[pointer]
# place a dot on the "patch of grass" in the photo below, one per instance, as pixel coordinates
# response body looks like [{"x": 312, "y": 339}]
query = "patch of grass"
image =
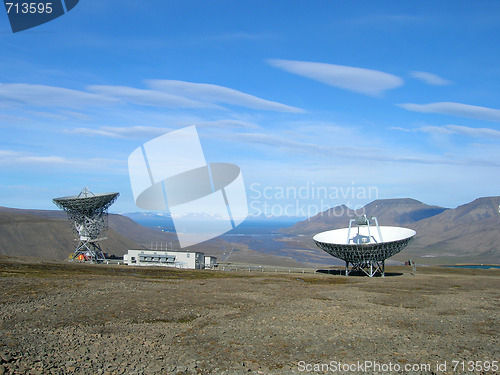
[
  {"x": 73, "y": 270},
  {"x": 488, "y": 327},
  {"x": 458, "y": 271},
  {"x": 69, "y": 270},
  {"x": 180, "y": 319},
  {"x": 450, "y": 313},
  {"x": 328, "y": 280},
  {"x": 407, "y": 301}
]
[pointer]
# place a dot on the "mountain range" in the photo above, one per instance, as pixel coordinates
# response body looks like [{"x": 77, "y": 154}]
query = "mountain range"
[
  {"x": 395, "y": 212},
  {"x": 469, "y": 233},
  {"x": 48, "y": 234}
]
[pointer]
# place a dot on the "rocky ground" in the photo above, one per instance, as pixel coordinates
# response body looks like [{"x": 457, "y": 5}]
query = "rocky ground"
[{"x": 61, "y": 318}]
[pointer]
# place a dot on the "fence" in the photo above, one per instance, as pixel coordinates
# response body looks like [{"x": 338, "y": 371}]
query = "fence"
[{"x": 272, "y": 269}]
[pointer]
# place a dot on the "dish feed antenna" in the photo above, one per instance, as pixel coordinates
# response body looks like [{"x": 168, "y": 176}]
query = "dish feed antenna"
[
  {"x": 366, "y": 245},
  {"x": 89, "y": 214}
]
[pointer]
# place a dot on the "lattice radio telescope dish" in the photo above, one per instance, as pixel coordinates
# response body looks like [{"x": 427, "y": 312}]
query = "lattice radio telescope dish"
[
  {"x": 364, "y": 246},
  {"x": 89, "y": 214}
]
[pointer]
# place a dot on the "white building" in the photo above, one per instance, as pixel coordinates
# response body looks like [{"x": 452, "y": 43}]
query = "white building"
[
  {"x": 177, "y": 259},
  {"x": 210, "y": 261}
]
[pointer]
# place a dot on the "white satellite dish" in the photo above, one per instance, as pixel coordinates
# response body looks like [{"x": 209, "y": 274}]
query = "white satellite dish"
[{"x": 366, "y": 248}]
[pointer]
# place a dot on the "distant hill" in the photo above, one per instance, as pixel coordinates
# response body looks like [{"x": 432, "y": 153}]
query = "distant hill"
[
  {"x": 467, "y": 234},
  {"x": 333, "y": 218},
  {"x": 142, "y": 235},
  {"x": 48, "y": 234},
  {"x": 151, "y": 219},
  {"x": 470, "y": 231},
  {"x": 400, "y": 212},
  {"x": 396, "y": 212}
]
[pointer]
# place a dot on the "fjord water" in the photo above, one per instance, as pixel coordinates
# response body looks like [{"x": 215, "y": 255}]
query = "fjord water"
[{"x": 261, "y": 234}]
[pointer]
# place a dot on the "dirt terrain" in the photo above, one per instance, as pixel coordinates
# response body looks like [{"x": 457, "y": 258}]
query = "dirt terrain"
[{"x": 62, "y": 318}]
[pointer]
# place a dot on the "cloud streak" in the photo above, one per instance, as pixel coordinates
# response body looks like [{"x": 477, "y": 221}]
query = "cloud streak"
[
  {"x": 17, "y": 157},
  {"x": 430, "y": 78},
  {"x": 387, "y": 19},
  {"x": 455, "y": 129},
  {"x": 121, "y": 132},
  {"x": 50, "y": 96},
  {"x": 148, "y": 97},
  {"x": 161, "y": 93},
  {"x": 11, "y": 158},
  {"x": 296, "y": 147},
  {"x": 455, "y": 109},
  {"x": 361, "y": 153},
  {"x": 153, "y": 131},
  {"x": 359, "y": 80},
  {"x": 474, "y": 132},
  {"x": 210, "y": 93}
]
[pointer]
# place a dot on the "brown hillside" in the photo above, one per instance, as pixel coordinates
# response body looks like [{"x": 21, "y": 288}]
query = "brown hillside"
[
  {"x": 47, "y": 234},
  {"x": 471, "y": 230},
  {"x": 467, "y": 234},
  {"x": 396, "y": 212}
]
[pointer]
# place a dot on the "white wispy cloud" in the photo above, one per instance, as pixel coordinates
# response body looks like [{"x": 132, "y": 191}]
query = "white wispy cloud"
[
  {"x": 43, "y": 96},
  {"x": 149, "y": 97},
  {"x": 430, "y": 78},
  {"x": 294, "y": 147},
  {"x": 161, "y": 93},
  {"x": 8, "y": 118},
  {"x": 454, "y": 129},
  {"x": 359, "y": 80},
  {"x": 227, "y": 124},
  {"x": 423, "y": 129},
  {"x": 210, "y": 93},
  {"x": 341, "y": 153},
  {"x": 17, "y": 157},
  {"x": 48, "y": 115},
  {"x": 455, "y": 109},
  {"x": 314, "y": 150},
  {"x": 12, "y": 158},
  {"x": 153, "y": 131},
  {"x": 474, "y": 132},
  {"x": 235, "y": 37},
  {"x": 121, "y": 132},
  {"x": 387, "y": 19}
]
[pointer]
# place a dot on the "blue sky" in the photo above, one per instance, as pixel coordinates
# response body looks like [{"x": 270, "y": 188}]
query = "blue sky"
[{"x": 359, "y": 99}]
